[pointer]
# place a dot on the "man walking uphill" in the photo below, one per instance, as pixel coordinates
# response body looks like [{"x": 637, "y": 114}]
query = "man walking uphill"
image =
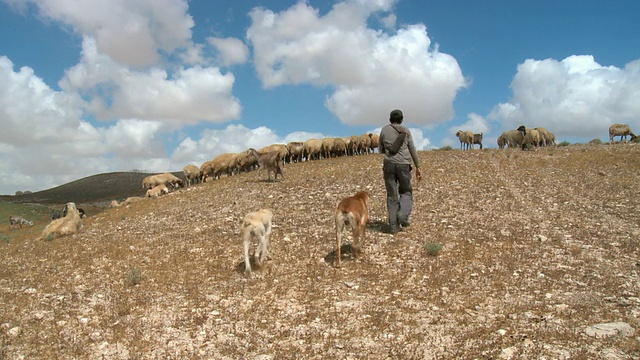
[{"x": 399, "y": 152}]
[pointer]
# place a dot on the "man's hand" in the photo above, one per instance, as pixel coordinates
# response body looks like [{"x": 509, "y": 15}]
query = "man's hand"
[{"x": 418, "y": 174}]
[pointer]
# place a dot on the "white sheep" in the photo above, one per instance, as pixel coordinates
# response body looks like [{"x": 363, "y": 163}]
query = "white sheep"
[
  {"x": 312, "y": 149},
  {"x": 157, "y": 191},
  {"x": 621, "y": 130},
  {"x": 339, "y": 147},
  {"x": 192, "y": 174},
  {"x": 221, "y": 163},
  {"x": 327, "y": 147},
  {"x": 161, "y": 179},
  {"x": 364, "y": 145},
  {"x": 466, "y": 139},
  {"x": 63, "y": 226}
]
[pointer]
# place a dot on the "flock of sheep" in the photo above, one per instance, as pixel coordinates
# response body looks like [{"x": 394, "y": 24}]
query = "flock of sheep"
[{"x": 271, "y": 158}]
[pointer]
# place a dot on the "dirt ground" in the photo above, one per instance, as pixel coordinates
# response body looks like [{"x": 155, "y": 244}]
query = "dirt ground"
[{"x": 537, "y": 248}]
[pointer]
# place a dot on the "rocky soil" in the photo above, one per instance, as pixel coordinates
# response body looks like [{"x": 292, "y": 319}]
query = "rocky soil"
[{"x": 539, "y": 260}]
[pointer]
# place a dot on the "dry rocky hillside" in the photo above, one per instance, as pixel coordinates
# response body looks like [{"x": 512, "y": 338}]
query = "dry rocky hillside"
[{"x": 539, "y": 260}]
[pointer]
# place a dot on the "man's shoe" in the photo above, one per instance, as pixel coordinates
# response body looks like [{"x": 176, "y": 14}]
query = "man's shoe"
[
  {"x": 395, "y": 229},
  {"x": 405, "y": 224}
]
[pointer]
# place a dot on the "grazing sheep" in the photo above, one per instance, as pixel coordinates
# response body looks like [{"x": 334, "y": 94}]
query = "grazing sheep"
[
  {"x": 129, "y": 200},
  {"x": 282, "y": 149},
  {"x": 327, "y": 147},
  {"x": 192, "y": 174},
  {"x": 221, "y": 163},
  {"x": 161, "y": 179},
  {"x": 351, "y": 212},
  {"x": 502, "y": 141},
  {"x": 466, "y": 139},
  {"x": 157, "y": 191},
  {"x": 477, "y": 139},
  {"x": 257, "y": 225},
  {"x": 17, "y": 220},
  {"x": 530, "y": 137},
  {"x": 513, "y": 138},
  {"x": 621, "y": 130},
  {"x": 66, "y": 225},
  {"x": 296, "y": 151},
  {"x": 245, "y": 161},
  {"x": 312, "y": 149},
  {"x": 271, "y": 161}
]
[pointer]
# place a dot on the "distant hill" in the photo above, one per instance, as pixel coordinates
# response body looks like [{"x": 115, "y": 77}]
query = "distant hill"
[{"x": 92, "y": 189}]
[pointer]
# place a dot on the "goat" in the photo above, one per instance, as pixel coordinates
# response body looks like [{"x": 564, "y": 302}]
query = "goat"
[
  {"x": 17, "y": 220},
  {"x": 270, "y": 161},
  {"x": 352, "y": 212},
  {"x": 257, "y": 225}
]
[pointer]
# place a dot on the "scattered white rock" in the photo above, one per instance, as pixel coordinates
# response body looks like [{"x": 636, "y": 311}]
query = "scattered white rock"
[{"x": 610, "y": 329}]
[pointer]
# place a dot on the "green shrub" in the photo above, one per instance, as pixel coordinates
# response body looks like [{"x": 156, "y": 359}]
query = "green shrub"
[
  {"x": 446, "y": 148},
  {"x": 564, "y": 143},
  {"x": 433, "y": 249},
  {"x": 595, "y": 142},
  {"x": 134, "y": 276}
]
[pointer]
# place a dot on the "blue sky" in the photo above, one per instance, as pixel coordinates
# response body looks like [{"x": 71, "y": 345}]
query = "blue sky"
[{"x": 101, "y": 86}]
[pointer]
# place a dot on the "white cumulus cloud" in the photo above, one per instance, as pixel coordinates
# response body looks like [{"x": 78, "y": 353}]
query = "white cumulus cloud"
[
  {"x": 573, "y": 97},
  {"x": 129, "y": 32},
  {"x": 372, "y": 71}
]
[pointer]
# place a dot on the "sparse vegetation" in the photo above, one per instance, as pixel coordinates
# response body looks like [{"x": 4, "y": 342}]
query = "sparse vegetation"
[
  {"x": 134, "y": 276},
  {"x": 537, "y": 248},
  {"x": 446, "y": 148},
  {"x": 564, "y": 143},
  {"x": 432, "y": 249}
]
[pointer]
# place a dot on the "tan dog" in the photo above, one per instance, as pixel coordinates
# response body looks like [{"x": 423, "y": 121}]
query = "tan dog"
[
  {"x": 352, "y": 212},
  {"x": 257, "y": 225}
]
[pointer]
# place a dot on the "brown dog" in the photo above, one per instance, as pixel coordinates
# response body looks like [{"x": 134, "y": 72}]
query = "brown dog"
[{"x": 352, "y": 212}]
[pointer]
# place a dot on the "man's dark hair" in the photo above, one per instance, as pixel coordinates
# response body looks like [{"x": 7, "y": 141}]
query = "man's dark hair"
[{"x": 396, "y": 117}]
